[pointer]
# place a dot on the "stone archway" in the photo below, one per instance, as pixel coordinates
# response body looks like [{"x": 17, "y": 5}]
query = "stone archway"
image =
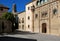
[{"x": 44, "y": 28}]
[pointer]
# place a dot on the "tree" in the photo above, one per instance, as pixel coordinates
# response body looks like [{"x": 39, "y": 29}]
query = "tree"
[{"x": 10, "y": 17}]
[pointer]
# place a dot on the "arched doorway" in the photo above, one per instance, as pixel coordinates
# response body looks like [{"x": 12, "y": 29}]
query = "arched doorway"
[{"x": 44, "y": 29}]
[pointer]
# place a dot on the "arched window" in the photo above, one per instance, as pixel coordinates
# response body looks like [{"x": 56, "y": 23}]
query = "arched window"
[
  {"x": 41, "y": 1},
  {"x": 36, "y": 15},
  {"x": 37, "y": 3},
  {"x": 28, "y": 17},
  {"x": 54, "y": 11},
  {"x": 33, "y": 8},
  {"x": 28, "y": 8},
  {"x": 28, "y": 26}
]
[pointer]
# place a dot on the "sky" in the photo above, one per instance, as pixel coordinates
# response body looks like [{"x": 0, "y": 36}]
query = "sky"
[{"x": 20, "y": 4}]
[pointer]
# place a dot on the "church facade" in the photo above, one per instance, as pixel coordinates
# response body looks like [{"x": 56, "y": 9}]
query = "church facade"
[{"x": 41, "y": 16}]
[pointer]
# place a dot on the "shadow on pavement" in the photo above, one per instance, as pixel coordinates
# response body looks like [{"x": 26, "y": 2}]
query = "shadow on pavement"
[
  {"x": 21, "y": 32},
  {"x": 15, "y": 39}
]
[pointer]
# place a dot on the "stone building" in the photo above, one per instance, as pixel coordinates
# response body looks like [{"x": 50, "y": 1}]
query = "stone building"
[
  {"x": 5, "y": 26},
  {"x": 42, "y": 16},
  {"x": 22, "y": 22}
]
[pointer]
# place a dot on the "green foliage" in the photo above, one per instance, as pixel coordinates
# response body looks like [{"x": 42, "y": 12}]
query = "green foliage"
[{"x": 8, "y": 16}]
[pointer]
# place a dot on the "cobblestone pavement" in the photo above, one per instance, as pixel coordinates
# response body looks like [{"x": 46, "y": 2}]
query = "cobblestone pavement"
[{"x": 37, "y": 36}]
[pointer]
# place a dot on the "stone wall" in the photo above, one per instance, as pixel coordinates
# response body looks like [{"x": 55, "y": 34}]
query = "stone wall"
[{"x": 5, "y": 26}]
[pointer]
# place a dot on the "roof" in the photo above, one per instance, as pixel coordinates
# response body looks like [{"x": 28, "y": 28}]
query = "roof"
[
  {"x": 2, "y": 6},
  {"x": 21, "y": 12}
]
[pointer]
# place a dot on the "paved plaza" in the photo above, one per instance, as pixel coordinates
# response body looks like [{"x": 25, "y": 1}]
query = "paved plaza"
[{"x": 34, "y": 36}]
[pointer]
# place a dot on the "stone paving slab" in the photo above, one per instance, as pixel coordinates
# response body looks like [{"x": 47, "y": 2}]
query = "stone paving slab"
[{"x": 38, "y": 37}]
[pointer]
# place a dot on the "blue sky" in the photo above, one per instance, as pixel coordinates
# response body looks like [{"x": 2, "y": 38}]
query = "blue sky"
[{"x": 19, "y": 3}]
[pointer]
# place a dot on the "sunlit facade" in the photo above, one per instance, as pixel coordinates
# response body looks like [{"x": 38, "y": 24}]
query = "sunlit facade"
[{"x": 42, "y": 16}]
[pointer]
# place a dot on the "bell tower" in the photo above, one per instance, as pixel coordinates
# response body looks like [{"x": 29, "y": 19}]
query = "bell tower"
[
  {"x": 14, "y": 8},
  {"x": 14, "y": 11}
]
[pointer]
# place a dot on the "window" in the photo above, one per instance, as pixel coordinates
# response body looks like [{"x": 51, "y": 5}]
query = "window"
[
  {"x": 28, "y": 26},
  {"x": 38, "y": 3},
  {"x": 22, "y": 20},
  {"x": 54, "y": 11},
  {"x": 1, "y": 9},
  {"x": 28, "y": 17},
  {"x": 41, "y": 1},
  {"x": 33, "y": 8},
  {"x": 19, "y": 21},
  {"x": 22, "y": 26},
  {"x": 46, "y": 0},
  {"x": 28, "y": 8},
  {"x": 44, "y": 14},
  {"x": 36, "y": 15}
]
